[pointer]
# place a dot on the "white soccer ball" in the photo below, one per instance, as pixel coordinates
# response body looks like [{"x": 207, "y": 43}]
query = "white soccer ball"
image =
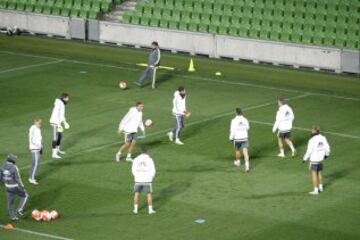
[
  {"x": 36, "y": 214},
  {"x": 46, "y": 217},
  {"x": 54, "y": 214},
  {"x": 148, "y": 122},
  {"x": 123, "y": 85}
]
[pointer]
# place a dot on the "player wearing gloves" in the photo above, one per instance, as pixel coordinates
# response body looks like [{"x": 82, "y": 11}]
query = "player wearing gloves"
[
  {"x": 36, "y": 148},
  {"x": 143, "y": 169},
  {"x": 129, "y": 125},
  {"x": 239, "y": 135},
  {"x": 179, "y": 112},
  {"x": 58, "y": 119},
  {"x": 318, "y": 149},
  {"x": 283, "y": 125},
  {"x": 10, "y": 177}
]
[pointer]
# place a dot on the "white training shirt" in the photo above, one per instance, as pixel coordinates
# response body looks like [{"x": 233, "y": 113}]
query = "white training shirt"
[
  {"x": 284, "y": 119},
  {"x": 132, "y": 121},
  {"x": 58, "y": 113},
  {"x": 179, "y": 104},
  {"x": 239, "y": 128},
  {"x": 35, "y": 138},
  {"x": 143, "y": 169},
  {"x": 318, "y": 147}
]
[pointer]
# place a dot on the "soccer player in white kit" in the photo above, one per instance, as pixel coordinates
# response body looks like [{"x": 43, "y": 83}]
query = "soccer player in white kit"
[
  {"x": 239, "y": 135},
  {"x": 143, "y": 170},
  {"x": 58, "y": 119},
  {"x": 179, "y": 112},
  {"x": 36, "y": 148},
  {"x": 129, "y": 125},
  {"x": 318, "y": 149},
  {"x": 283, "y": 125}
]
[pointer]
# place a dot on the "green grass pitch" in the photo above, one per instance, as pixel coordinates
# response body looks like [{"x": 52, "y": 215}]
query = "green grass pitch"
[{"x": 93, "y": 193}]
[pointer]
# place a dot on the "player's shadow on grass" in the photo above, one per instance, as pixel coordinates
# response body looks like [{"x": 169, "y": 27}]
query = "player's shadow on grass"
[
  {"x": 45, "y": 199},
  {"x": 331, "y": 178},
  {"x": 273, "y": 195},
  {"x": 166, "y": 194}
]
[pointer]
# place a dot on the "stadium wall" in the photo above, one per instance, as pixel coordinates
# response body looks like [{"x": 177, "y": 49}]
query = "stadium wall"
[{"x": 215, "y": 46}]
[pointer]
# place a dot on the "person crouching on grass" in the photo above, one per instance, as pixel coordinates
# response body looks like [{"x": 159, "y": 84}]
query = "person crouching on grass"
[
  {"x": 143, "y": 169},
  {"x": 318, "y": 149}
]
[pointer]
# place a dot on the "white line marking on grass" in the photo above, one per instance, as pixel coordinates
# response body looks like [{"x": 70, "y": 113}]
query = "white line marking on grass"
[
  {"x": 191, "y": 77},
  {"x": 106, "y": 145},
  {"x": 30, "y": 66},
  {"x": 309, "y": 130},
  {"x": 37, "y": 233}
]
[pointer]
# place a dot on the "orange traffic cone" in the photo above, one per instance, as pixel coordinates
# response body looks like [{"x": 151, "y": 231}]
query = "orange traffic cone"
[{"x": 9, "y": 226}]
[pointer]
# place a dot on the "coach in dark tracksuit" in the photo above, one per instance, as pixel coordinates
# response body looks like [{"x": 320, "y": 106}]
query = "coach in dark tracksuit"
[
  {"x": 10, "y": 177},
  {"x": 153, "y": 62}
]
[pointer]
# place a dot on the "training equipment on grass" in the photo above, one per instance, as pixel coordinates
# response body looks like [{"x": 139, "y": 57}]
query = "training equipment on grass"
[
  {"x": 218, "y": 74},
  {"x": 160, "y": 67},
  {"x": 191, "y": 66},
  {"x": 46, "y": 217},
  {"x": 200, "y": 221},
  {"x": 148, "y": 122},
  {"x": 54, "y": 214},
  {"x": 123, "y": 85},
  {"x": 36, "y": 214}
]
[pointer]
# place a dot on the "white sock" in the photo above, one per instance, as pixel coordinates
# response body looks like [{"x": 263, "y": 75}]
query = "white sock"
[
  {"x": 321, "y": 187},
  {"x": 119, "y": 153},
  {"x": 247, "y": 166},
  {"x": 316, "y": 189},
  {"x": 128, "y": 155},
  {"x": 292, "y": 147},
  {"x": 136, "y": 207},
  {"x": 54, "y": 151},
  {"x": 151, "y": 208},
  {"x": 282, "y": 151}
]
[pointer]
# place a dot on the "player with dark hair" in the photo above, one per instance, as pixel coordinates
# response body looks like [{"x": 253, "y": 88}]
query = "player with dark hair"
[
  {"x": 239, "y": 135},
  {"x": 318, "y": 149},
  {"x": 153, "y": 63},
  {"x": 58, "y": 119},
  {"x": 283, "y": 125},
  {"x": 129, "y": 125},
  {"x": 179, "y": 112}
]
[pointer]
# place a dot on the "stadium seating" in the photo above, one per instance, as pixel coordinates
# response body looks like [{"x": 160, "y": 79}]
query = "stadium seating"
[
  {"x": 90, "y": 9},
  {"x": 332, "y": 23}
]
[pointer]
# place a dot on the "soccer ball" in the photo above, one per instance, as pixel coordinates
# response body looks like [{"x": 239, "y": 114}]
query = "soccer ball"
[
  {"x": 123, "y": 85},
  {"x": 46, "y": 217},
  {"x": 36, "y": 214},
  {"x": 148, "y": 122},
  {"x": 54, "y": 214}
]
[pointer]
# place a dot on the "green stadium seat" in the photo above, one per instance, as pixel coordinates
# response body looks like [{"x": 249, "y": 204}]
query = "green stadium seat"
[
  {"x": 145, "y": 20},
  {"x": 3, "y": 4},
  {"x": 83, "y": 13},
  {"x": 29, "y": 7},
  {"x": 93, "y": 14},
  {"x": 20, "y": 6},
  {"x": 183, "y": 26},
  {"x": 154, "y": 22},
  {"x": 193, "y": 27},
  {"x": 47, "y": 10},
  {"x": 126, "y": 18},
  {"x": 233, "y": 30},
  {"x": 213, "y": 28},
  {"x": 203, "y": 27},
  {"x": 38, "y": 8},
  {"x": 173, "y": 24},
  {"x": 223, "y": 30},
  {"x": 65, "y": 12},
  {"x": 135, "y": 19},
  {"x": 163, "y": 23},
  {"x": 56, "y": 11}
]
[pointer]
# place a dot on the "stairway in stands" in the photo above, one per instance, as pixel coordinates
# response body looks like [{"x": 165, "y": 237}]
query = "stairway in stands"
[{"x": 116, "y": 14}]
